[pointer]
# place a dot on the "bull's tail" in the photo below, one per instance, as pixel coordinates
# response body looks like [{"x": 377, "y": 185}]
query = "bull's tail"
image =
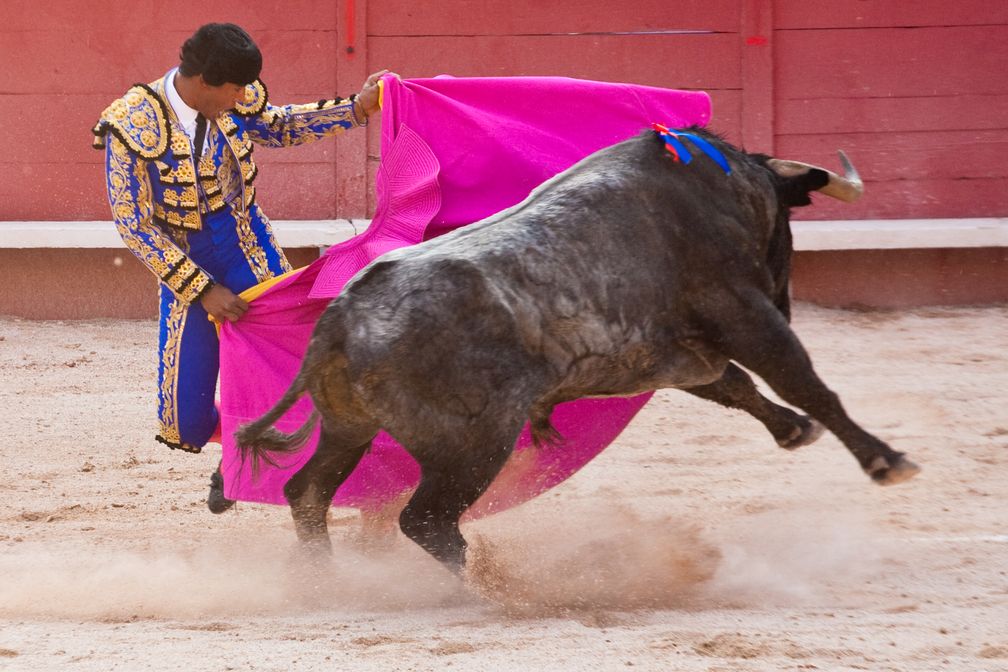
[
  {"x": 544, "y": 434},
  {"x": 260, "y": 438}
]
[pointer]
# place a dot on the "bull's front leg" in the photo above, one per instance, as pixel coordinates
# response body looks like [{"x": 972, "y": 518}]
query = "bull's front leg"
[
  {"x": 735, "y": 389},
  {"x": 756, "y": 335}
]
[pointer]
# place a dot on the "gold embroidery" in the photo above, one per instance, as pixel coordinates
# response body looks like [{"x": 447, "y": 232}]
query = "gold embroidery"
[
  {"x": 206, "y": 166},
  {"x": 180, "y": 143},
  {"x": 182, "y": 274},
  {"x": 195, "y": 288},
  {"x": 210, "y": 187},
  {"x": 215, "y": 203},
  {"x": 254, "y": 254},
  {"x": 268, "y": 227},
  {"x": 183, "y": 173},
  {"x": 250, "y": 172},
  {"x": 231, "y": 174},
  {"x": 173, "y": 256},
  {"x": 256, "y": 98},
  {"x": 181, "y": 198},
  {"x": 190, "y": 220},
  {"x": 226, "y": 124},
  {"x": 181, "y": 238},
  {"x": 129, "y": 213},
  {"x": 246, "y": 148},
  {"x": 298, "y": 124},
  {"x": 138, "y": 120},
  {"x": 174, "y": 326},
  {"x": 133, "y": 214}
]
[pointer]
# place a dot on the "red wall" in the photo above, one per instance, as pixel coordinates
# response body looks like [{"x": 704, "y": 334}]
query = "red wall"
[
  {"x": 914, "y": 91},
  {"x": 63, "y": 62}
]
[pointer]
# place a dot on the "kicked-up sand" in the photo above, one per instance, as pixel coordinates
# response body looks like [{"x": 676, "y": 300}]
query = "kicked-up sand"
[{"x": 692, "y": 543}]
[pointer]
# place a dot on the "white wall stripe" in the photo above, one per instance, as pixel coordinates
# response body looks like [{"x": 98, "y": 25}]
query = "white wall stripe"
[{"x": 865, "y": 234}]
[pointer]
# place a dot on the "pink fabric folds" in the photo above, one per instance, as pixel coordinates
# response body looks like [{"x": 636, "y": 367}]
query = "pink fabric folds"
[{"x": 454, "y": 150}]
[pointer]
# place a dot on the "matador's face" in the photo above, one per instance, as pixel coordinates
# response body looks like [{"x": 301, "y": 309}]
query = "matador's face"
[{"x": 217, "y": 99}]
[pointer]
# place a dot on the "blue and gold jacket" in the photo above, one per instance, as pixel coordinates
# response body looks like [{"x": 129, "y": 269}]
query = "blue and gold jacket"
[{"x": 157, "y": 192}]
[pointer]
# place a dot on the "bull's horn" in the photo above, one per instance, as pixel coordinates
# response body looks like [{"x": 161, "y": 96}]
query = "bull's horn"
[{"x": 847, "y": 188}]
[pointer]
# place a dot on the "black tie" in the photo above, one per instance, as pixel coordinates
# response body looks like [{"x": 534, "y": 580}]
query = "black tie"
[{"x": 201, "y": 123}]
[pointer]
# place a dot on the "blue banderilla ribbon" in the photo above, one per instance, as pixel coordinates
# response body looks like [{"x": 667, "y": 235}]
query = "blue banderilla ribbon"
[{"x": 674, "y": 144}]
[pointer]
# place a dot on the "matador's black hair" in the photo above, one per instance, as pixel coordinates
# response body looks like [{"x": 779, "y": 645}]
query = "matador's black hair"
[{"x": 221, "y": 52}]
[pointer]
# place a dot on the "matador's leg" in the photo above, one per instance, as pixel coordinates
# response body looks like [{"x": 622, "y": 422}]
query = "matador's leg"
[{"x": 188, "y": 360}]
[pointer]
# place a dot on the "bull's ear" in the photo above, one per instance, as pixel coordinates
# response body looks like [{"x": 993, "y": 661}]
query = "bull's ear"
[{"x": 793, "y": 190}]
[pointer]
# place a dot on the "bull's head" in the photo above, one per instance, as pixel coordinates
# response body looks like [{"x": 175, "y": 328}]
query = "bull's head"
[
  {"x": 847, "y": 188},
  {"x": 797, "y": 179}
]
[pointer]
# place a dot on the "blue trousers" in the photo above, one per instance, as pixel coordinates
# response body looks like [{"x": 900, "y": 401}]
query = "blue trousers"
[{"x": 239, "y": 251}]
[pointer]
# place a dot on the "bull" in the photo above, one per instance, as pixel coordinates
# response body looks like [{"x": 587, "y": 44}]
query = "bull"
[{"x": 631, "y": 271}]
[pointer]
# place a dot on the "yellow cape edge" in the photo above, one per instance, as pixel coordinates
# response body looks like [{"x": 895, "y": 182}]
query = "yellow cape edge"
[{"x": 255, "y": 291}]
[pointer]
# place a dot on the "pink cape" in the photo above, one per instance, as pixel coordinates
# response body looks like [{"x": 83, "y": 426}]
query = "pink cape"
[{"x": 454, "y": 151}]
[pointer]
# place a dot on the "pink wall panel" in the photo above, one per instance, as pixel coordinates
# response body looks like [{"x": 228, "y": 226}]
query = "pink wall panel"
[
  {"x": 726, "y": 113},
  {"x": 62, "y": 66},
  {"x": 57, "y": 191},
  {"x": 534, "y": 17},
  {"x": 655, "y": 60},
  {"x": 914, "y": 91},
  {"x": 908, "y": 156},
  {"x": 902, "y": 199},
  {"x": 885, "y": 62},
  {"x": 297, "y": 191},
  {"x": 803, "y": 14},
  {"x": 890, "y": 114},
  {"x": 158, "y": 15},
  {"x": 923, "y": 111}
]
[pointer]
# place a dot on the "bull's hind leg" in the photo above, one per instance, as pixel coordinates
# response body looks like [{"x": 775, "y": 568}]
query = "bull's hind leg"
[
  {"x": 735, "y": 389},
  {"x": 758, "y": 337},
  {"x": 454, "y": 474},
  {"x": 310, "y": 491}
]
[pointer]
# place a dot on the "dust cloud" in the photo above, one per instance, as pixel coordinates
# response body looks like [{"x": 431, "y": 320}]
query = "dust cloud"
[
  {"x": 608, "y": 558},
  {"x": 232, "y": 579},
  {"x": 791, "y": 558},
  {"x": 599, "y": 558}
]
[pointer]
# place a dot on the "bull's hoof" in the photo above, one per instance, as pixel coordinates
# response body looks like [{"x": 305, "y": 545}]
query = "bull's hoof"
[
  {"x": 884, "y": 474},
  {"x": 216, "y": 501},
  {"x": 803, "y": 435}
]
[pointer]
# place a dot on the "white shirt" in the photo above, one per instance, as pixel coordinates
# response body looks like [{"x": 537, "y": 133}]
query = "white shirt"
[{"x": 186, "y": 115}]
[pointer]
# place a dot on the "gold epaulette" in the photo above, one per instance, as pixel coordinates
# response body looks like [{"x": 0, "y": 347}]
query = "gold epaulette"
[
  {"x": 139, "y": 120},
  {"x": 256, "y": 97}
]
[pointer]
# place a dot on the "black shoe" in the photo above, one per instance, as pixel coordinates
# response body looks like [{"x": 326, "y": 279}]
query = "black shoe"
[{"x": 216, "y": 501}]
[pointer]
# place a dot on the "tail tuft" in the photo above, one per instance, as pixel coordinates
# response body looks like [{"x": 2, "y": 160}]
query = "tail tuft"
[
  {"x": 543, "y": 431},
  {"x": 260, "y": 440}
]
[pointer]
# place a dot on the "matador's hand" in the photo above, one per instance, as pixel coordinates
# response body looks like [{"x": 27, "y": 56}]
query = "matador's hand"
[
  {"x": 367, "y": 99},
  {"x": 223, "y": 304}
]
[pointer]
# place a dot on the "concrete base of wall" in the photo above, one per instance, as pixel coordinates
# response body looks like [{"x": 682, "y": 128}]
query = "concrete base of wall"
[
  {"x": 901, "y": 278},
  {"x": 67, "y": 284},
  {"x": 50, "y": 283}
]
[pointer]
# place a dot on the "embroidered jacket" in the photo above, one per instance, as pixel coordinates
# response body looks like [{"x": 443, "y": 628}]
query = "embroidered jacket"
[{"x": 156, "y": 191}]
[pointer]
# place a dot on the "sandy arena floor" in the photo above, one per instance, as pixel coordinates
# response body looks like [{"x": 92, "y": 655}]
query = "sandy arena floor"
[{"x": 693, "y": 543}]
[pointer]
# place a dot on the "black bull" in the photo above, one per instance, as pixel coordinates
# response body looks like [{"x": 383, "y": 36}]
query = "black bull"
[{"x": 630, "y": 271}]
